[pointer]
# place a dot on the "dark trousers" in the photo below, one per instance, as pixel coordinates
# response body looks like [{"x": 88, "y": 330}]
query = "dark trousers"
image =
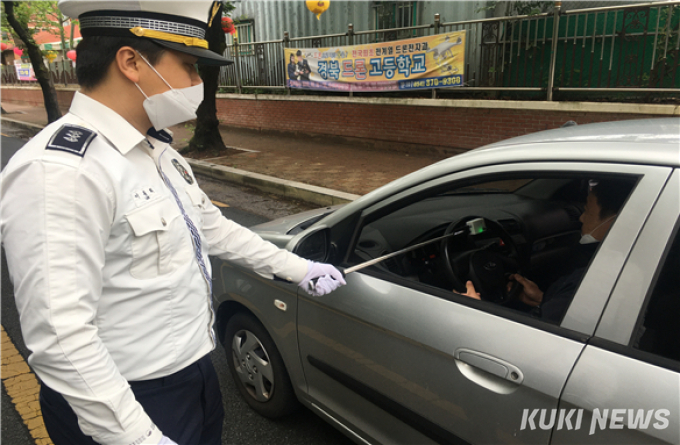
[{"x": 186, "y": 406}]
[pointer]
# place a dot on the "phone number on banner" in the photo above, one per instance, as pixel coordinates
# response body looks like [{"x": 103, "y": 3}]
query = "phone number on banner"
[{"x": 432, "y": 82}]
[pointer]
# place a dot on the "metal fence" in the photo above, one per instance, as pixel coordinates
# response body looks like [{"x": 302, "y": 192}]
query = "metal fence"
[
  {"x": 62, "y": 74},
  {"x": 633, "y": 48}
]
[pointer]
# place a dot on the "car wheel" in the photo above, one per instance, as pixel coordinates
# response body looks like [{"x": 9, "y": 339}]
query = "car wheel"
[{"x": 257, "y": 367}]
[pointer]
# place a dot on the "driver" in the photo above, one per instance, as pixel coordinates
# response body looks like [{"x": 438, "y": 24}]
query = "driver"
[{"x": 603, "y": 203}]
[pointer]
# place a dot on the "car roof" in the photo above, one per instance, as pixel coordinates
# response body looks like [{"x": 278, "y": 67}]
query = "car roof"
[
  {"x": 644, "y": 142},
  {"x": 655, "y": 131}
]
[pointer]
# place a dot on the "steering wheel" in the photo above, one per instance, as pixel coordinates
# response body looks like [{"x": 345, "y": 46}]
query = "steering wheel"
[{"x": 486, "y": 258}]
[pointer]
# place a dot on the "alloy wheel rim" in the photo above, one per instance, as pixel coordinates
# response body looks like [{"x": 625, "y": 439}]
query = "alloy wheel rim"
[{"x": 253, "y": 365}]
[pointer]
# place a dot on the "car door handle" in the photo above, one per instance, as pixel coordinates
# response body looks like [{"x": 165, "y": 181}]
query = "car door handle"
[{"x": 488, "y": 371}]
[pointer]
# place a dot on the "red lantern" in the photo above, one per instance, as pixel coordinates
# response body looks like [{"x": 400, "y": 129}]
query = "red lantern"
[
  {"x": 18, "y": 52},
  {"x": 228, "y": 25},
  {"x": 71, "y": 54},
  {"x": 3, "y": 46}
]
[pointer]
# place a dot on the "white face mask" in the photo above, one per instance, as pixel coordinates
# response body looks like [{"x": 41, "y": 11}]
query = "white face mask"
[
  {"x": 588, "y": 238},
  {"x": 173, "y": 106}
]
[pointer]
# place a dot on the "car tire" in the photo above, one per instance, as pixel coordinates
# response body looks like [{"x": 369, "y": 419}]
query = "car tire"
[{"x": 257, "y": 367}]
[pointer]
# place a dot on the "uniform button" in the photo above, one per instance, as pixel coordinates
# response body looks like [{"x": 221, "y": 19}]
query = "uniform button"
[
  {"x": 203, "y": 200},
  {"x": 164, "y": 222}
]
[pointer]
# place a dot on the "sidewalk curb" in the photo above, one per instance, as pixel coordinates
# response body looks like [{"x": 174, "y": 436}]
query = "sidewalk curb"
[
  {"x": 281, "y": 187},
  {"x": 268, "y": 184},
  {"x": 33, "y": 129}
]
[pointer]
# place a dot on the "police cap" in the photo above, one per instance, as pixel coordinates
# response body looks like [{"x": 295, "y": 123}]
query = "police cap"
[{"x": 180, "y": 26}]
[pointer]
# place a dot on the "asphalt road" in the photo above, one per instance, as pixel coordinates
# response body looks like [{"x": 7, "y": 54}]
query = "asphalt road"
[
  {"x": 10, "y": 145},
  {"x": 242, "y": 425}
]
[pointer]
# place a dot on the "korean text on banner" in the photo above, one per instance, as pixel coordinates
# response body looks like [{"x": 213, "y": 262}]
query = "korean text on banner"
[
  {"x": 425, "y": 62},
  {"x": 25, "y": 71}
]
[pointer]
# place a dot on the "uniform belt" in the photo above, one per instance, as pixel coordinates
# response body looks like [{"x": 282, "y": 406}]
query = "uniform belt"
[{"x": 177, "y": 377}]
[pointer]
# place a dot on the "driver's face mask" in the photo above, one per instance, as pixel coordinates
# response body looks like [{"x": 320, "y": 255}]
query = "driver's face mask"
[
  {"x": 173, "y": 106},
  {"x": 588, "y": 238}
]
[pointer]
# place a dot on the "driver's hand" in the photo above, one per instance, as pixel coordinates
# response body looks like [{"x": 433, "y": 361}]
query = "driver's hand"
[
  {"x": 531, "y": 294},
  {"x": 471, "y": 291}
]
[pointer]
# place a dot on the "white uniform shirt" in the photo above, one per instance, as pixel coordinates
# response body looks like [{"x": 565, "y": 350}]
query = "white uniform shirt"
[{"x": 106, "y": 279}]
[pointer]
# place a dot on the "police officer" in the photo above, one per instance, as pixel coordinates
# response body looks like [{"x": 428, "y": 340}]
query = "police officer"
[{"x": 107, "y": 236}]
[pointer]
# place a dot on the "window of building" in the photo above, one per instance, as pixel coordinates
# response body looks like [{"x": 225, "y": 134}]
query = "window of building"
[
  {"x": 245, "y": 33},
  {"x": 391, "y": 15}
]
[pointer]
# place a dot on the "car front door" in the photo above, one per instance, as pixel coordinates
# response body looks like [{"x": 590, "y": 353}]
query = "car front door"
[{"x": 399, "y": 364}]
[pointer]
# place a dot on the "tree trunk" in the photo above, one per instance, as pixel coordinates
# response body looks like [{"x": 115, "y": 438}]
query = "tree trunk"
[
  {"x": 207, "y": 134},
  {"x": 70, "y": 41},
  {"x": 60, "y": 17},
  {"x": 41, "y": 72}
]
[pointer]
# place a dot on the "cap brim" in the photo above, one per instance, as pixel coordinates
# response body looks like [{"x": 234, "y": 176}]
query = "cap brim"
[{"x": 205, "y": 56}]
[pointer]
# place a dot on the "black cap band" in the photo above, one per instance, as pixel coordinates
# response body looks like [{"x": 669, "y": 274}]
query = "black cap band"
[{"x": 119, "y": 23}]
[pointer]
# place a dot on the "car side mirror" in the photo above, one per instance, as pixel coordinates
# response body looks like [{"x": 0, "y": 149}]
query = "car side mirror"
[{"x": 314, "y": 246}]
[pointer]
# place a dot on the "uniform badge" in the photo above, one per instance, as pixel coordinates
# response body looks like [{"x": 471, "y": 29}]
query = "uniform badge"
[
  {"x": 72, "y": 139},
  {"x": 183, "y": 171},
  {"x": 144, "y": 195}
]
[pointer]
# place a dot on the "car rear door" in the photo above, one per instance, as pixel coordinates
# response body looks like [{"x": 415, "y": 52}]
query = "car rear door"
[
  {"x": 626, "y": 382},
  {"x": 407, "y": 366}
]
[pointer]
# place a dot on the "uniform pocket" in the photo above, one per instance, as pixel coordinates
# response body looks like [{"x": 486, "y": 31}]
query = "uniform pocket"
[
  {"x": 199, "y": 203},
  {"x": 196, "y": 195},
  {"x": 157, "y": 240}
]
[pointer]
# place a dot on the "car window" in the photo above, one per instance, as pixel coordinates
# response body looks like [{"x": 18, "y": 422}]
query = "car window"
[
  {"x": 658, "y": 327},
  {"x": 507, "y": 186},
  {"x": 517, "y": 238}
]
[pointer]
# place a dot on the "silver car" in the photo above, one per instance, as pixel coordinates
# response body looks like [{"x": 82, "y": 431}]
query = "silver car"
[{"x": 397, "y": 356}]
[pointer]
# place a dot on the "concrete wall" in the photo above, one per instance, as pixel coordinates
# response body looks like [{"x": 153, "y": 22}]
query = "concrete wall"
[
  {"x": 442, "y": 125},
  {"x": 447, "y": 126},
  {"x": 33, "y": 95}
]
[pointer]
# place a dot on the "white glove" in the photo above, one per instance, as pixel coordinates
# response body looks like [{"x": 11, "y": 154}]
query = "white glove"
[
  {"x": 321, "y": 279},
  {"x": 166, "y": 441}
]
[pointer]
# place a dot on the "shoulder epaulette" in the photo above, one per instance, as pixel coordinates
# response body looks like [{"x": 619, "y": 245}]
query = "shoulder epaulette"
[
  {"x": 162, "y": 135},
  {"x": 72, "y": 139}
]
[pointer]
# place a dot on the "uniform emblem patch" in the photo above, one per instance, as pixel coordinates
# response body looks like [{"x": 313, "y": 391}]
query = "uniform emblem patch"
[
  {"x": 183, "y": 171},
  {"x": 72, "y": 139}
]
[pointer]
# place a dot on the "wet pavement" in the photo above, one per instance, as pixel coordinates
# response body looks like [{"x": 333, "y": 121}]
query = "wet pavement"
[{"x": 326, "y": 162}]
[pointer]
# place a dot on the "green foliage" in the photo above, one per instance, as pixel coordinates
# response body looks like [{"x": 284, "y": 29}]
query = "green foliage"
[
  {"x": 240, "y": 19},
  {"x": 39, "y": 14},
  {"x": 227, "y": 7},
  {"x": 665, "y": 57},
  {"x": 668, "y": 32},
  {"x": 34, "y": 16}
]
